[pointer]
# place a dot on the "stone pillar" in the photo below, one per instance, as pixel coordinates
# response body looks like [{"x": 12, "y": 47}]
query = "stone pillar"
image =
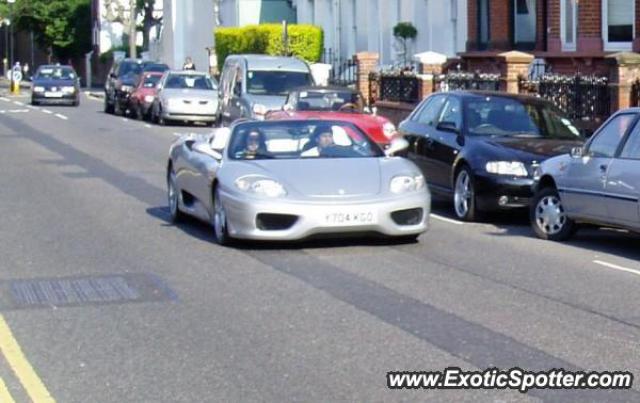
[
  {"x": 366, "y": 63},
  {"x": 513, "y": 65},
  {"x": 624, "y": 71},
  {"x": 431, "y": 65}
]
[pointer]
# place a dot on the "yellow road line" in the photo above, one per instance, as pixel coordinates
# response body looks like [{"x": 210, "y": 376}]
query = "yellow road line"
[
  {"x": 5, "y": 396},
  {"x": 21, "y": 367}
]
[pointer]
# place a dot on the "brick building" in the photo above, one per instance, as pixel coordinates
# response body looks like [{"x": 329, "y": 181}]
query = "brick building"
[{"x": 568, "y": 35}]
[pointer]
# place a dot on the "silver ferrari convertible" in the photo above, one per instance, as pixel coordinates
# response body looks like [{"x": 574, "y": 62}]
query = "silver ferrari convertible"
[{"x": 294, "y": 179}]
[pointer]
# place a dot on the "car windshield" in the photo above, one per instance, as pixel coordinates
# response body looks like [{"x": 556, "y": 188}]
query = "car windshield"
[
  {"x": 159, "y": 68},
  {"x": 56, "y": 73},
  {"x": 189, "y": 81},
  {"x": 150, "y": 81},
  {"x": 130, "y": 68},
  {"x": 275, "y": 82},
  {"x": 501, "y": 116},
  {"x": 327, "y": 101},
  {"x": 300, "y": 140}
]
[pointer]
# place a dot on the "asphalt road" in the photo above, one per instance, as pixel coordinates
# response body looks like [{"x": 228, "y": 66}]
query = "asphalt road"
[{"x": 83, "y": 205}]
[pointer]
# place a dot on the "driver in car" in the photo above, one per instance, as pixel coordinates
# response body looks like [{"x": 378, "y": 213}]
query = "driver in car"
[{"x": 320, "y": 142}]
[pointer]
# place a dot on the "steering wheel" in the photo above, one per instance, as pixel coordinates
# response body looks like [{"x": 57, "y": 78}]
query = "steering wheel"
[{"x": 348, "y": 105}]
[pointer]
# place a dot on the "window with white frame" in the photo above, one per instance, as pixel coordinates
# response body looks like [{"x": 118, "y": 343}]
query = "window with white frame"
[
  {"x": 618, "y": 24},
  {"x": 569, "y": 24}
]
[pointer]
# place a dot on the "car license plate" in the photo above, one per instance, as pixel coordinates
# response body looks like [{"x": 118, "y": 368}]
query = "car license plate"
[
  {"x": 346, "y": 218},
  {"x": 53, "y": 94}
]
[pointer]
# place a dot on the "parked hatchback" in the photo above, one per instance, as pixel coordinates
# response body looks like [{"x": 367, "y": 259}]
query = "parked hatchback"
[
  {"x": 55, "y": 84},
  {"x": 598, "y": 183},
  {"x": 121, "y": 81},
  {"x": 252, "y": 85},
  {"x": 481, "y": 148}
]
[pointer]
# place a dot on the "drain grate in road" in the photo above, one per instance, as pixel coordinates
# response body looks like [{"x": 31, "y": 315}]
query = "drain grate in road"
[{"x": 84, "y": 290}]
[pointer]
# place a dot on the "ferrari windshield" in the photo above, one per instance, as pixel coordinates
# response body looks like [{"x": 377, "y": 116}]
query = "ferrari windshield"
[
  {"x": 327, "y": 100},
  {"x": 300, "y": 140}
]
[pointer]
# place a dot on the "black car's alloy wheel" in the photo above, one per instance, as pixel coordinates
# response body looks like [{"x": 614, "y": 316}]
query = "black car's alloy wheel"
[
  {"x": 548, "y": 216},
  {"x": 464, "y": 202}
]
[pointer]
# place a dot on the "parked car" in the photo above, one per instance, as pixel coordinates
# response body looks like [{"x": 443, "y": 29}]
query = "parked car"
[
  {"x": 252, "y": 85},
  {"x": 144, "y": 94},
  {"x": 288, "y": 180},
  {"x": 55, "y": 84},
  {"x": 335, "y": 103},
  {"x": 481, "y": 148},
  {"x": 188, "y": 96},
  {"x": 596, "y": 184},
  {"x": 121, "y": 81},
  {"x": 152, "y": 67}
]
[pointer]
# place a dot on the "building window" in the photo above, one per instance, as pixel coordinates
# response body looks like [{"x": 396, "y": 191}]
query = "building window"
[
  {"x": 483, "y": 24},
  {"x": 568, "y": 23},
  {"x": 524, "y": 27},
  {"x": 618, "y": 28}
]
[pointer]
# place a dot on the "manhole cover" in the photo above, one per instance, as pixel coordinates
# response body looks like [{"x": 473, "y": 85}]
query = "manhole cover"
[{"x": 84, "y": 290}]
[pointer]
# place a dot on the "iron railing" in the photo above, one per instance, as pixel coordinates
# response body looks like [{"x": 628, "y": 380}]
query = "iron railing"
[
  {"x": 461, "y": 80},
  {"x": 343, "y": 72}
]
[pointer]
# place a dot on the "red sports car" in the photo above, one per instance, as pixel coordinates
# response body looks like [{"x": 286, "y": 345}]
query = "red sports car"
[
  {"x": 335, "y": 103},
  {"x": 142, "y": 97}
]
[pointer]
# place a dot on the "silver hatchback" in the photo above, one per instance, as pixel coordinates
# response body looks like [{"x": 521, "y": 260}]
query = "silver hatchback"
[{"x": 597, "y": 184}]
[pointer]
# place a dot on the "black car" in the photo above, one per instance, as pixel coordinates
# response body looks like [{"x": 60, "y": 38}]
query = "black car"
[
  {"x": 481, "y": 148},
  {"x": 121, "y": 80},
  {"x": 152, "y": 67},
  {"x": 55, "y": 84}
]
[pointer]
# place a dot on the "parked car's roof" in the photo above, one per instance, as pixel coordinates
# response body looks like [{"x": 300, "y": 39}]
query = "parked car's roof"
[
  {"x": 55, "y": 66},
  {"x": 187, "y": 72},
  {"x": 480, "y": 94},
  {"x": 333, "y": 88},
  {"x": 266, "y": 62}
]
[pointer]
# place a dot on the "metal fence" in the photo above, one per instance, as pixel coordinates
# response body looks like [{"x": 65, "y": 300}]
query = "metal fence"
[
  {"x": 343, "y": 72},
  {"x": 394, "y": 86},
  {"x": 581, "y": 97},
  {"x": 635, "y": 93},
  {"x": 461, "y": 80}
]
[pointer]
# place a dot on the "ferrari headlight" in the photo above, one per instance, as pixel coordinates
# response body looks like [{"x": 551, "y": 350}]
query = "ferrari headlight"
[
  {"x": 68, "y": 90},
  {"x": 389, "y": 130},
  {"x": 261, "y": 186},
  {"x": 38, "y": 89},
  {"x": 149, "y": 98},
  {"x": 405, "y": 183},
  {"x": 513, "y": 168},
  {"x": 260, "y": 110}
]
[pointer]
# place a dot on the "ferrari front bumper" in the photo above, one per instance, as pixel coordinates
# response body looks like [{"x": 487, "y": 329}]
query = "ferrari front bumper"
[{"x": 282, "y": 219}]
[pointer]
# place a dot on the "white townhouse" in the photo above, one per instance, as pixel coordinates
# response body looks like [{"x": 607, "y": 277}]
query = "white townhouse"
[{"x": 352, "y": 26}]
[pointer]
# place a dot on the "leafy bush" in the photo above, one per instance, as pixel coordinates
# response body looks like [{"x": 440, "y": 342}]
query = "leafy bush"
[{"x": 305, "y": 41}]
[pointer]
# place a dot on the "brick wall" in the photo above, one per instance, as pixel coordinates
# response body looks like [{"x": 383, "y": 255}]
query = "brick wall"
[
  {"x": 472, "y": 24},
  {"x": 499, "y": 24}
]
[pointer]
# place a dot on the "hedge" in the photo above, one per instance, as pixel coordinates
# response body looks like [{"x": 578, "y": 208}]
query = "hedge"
[{"x": 305, "y": 41}]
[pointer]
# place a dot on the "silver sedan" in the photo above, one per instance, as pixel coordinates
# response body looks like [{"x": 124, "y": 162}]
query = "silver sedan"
[
  {"x": 188, "y": 96},
  {"x": 289, "y": 180}
]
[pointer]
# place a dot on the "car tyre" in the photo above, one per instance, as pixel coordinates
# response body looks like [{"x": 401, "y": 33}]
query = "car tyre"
[
  {"x": 108, "y": 108},
  {"x": 173, "y": 196},
  {"x": 549, "y": 219},
  {"x": 220, "y": 228},
  {"x": 464, "y": 199}
]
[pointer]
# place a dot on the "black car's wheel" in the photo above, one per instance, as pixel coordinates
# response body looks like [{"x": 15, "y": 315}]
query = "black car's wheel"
[
  {"x": 173, "y": 195},
  {"x": 117, "y": 108},
  {"x": 464, "y": 200},
  {"x": 76, "y": 102},
  {"x": 220, "y": 228},
  {"x": 138, "y": 112},
  {"x": 548, "y": 217},
  {"x": 34, "y": 102},
  {"x": 108, "y": 108}
]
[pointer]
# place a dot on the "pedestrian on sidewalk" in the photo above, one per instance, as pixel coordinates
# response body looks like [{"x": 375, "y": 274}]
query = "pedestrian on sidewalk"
[{"x": 188, "y": 64}]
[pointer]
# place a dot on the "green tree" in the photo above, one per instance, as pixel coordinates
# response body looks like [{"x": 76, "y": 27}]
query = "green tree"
[
  {"x": 63, "y": 27},
  {"x": 405, "y": 31}
]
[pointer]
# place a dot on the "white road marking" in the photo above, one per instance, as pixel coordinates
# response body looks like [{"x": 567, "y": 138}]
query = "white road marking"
[
  {"x": 616, "y": 267},
  {"x": 445, "y": 219},
  {"x": 5, "y": 99},
  {"x": 3, "y": 111},
  {"x": 125, "y": 119},
  {"x": 148, "y": 126},
  {"x": 18, "y": 110},
  {"x": 47, "y": 111},
  {"x": 61, "y": 116},
  {"x": 18, "y": 103},
  {"x": 33, "y": 107}
]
